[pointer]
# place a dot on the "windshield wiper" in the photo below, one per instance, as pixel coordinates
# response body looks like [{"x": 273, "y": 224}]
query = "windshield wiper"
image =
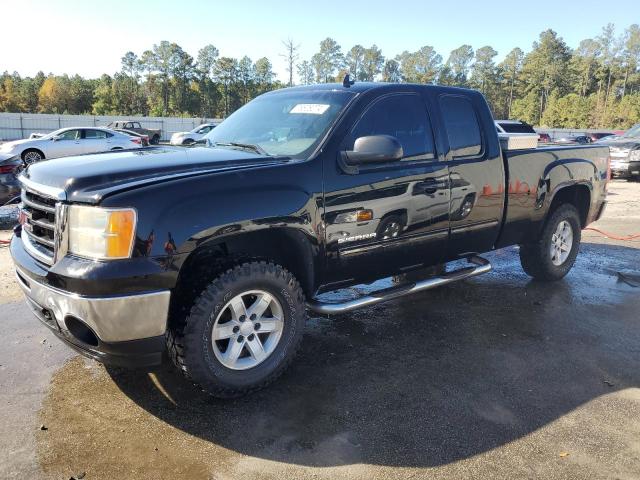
[{"x": 246, "y": 146}]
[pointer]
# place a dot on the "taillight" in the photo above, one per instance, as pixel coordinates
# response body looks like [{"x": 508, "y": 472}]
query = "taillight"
[
  {"x": 4, "y": 169},
  {"x": 136, "y": 140}
]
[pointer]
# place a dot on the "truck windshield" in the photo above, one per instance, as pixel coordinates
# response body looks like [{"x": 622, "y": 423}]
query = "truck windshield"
[{"x": 288, "y": 123}]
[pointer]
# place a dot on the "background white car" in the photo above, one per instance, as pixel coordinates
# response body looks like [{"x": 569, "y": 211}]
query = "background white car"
[
  {"x": 187, "y": 138},
  {"x": 70, "y": 141}
]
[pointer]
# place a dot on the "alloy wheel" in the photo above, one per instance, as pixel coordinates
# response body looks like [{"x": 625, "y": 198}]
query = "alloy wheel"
[
  {"x": 561, "y": 243},
  {"x": 247, "y": 330}
]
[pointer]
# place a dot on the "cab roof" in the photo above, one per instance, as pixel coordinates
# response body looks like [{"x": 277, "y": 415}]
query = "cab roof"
[{"x": 360, "y": 87}]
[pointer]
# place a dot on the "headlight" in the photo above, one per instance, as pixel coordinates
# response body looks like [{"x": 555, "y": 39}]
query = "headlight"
[
  {"x": 354, "y": 216},
  {"x": 634, "y": 156},
  {"x": 101, "y": 233}
]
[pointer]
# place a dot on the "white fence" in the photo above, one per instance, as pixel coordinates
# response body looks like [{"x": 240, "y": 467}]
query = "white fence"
[{"x": 14, "y": 126}]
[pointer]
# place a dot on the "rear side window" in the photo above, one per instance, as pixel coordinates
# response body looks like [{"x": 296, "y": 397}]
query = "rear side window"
[
  {"x": 95, "y": 134},
  {"x": 463, "y": 128},
  {"x": 401, "y": 116}
]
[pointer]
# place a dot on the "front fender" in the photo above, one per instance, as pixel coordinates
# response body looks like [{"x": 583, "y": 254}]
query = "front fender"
[{"x": 178, "y": 216}]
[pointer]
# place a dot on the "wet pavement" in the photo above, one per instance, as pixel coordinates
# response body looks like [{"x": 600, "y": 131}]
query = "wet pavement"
[{"x": 494, "y": 377}]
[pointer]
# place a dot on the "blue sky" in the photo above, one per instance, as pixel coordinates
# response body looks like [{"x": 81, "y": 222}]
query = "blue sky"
[{"x": 86, "y": 37}]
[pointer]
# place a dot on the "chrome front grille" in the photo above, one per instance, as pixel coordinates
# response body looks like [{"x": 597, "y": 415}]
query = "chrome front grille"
[{"x": 38, "y": 227}]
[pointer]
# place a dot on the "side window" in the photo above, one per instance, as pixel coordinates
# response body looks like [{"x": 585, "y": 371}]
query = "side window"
[
  {"x": 461, "y": 122},
  {"x": 401, "y": 116},
  {"x": 95, "y": 134},
  {"x": 129, "y": 125},
  {"x": 70, "y": 135},
  {"x": 136, "y": 125}
]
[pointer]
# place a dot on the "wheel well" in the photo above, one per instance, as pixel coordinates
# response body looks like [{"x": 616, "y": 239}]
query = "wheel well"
[
  {"x": 577, "y": 195},
  {"x": 32, "y": 150},
  {"x": 187, "y": 140},
  {"x": 286, "y": 247},
  {"x": 400, "y": 213}
]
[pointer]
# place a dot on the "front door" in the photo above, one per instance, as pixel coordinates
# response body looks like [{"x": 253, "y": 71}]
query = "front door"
[
  {"x": 65, "y": 144},
  {"x": 387, "y": 218}
]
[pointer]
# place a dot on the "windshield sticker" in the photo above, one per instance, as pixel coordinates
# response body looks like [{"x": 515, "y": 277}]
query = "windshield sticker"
[{"x": 310, "y": 108}]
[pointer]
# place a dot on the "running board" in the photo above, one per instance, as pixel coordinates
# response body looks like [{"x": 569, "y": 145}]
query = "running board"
[{"x": 481, "y": 266}]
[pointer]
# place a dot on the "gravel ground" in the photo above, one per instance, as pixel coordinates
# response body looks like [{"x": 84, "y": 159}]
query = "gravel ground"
[{"x": 495, "y": 377}]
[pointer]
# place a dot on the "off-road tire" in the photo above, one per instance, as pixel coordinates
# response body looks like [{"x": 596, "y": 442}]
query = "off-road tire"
[
  {"x": 535, "y": 258},
  {"x": 189, "y": 343}
]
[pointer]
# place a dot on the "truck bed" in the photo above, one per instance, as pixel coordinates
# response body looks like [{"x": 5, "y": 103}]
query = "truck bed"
[{"x": 534, "y": 176}]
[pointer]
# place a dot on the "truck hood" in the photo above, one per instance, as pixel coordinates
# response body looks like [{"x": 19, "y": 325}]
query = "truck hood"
[
  {"x": 90, "y": 178},
  {"x": 623, "y": 143}
]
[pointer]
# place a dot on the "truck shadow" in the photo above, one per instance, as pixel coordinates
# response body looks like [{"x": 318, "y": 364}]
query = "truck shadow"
[{"x": 430, "y": 379}]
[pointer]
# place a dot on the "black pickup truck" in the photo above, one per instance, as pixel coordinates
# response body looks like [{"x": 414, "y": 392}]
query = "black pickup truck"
[{"x": 214, "y": 253}]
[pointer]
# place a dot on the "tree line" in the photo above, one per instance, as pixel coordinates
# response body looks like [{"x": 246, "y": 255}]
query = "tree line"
[{"x": 596, "y": 85}]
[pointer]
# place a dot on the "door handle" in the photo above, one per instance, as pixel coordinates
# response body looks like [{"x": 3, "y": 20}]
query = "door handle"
[{"x": 430, "y": 186}]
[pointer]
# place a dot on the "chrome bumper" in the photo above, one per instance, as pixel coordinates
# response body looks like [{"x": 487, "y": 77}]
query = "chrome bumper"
[{"x": 112, "y": 319}]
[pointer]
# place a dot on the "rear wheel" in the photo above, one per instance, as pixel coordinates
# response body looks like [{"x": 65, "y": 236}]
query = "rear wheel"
[
  {"x": 155, "y": 140},
  {"x": 243, "y": 330},
  {"x": 554, "y": 254}
]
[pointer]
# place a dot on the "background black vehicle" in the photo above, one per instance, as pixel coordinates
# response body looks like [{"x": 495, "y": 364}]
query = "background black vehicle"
[
  {"x": 9, "y": 185},
  {"x": 218, "y": 251}
]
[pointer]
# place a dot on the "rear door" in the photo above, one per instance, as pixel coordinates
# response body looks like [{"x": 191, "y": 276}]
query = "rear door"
[
  {"x": 476, "y": 173},
  {"x": 94, "y": 140},
  {"x": 386, "y": 218}
]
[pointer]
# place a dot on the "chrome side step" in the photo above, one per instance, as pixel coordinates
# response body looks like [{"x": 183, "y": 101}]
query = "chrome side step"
[{"x": 481, "y": 266}]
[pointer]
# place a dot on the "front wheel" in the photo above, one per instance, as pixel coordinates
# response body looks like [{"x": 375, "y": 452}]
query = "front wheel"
[
  {"x": 155, "y": 140},
  {"x": 554, "y": 254},
  {"x": 243, "y": 330},
  {"x": 390, "y": 227},
  {"x": 32, "y": 156}
]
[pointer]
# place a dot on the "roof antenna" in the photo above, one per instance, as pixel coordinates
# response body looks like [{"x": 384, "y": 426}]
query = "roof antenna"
[{"x": 347, "y": 82}]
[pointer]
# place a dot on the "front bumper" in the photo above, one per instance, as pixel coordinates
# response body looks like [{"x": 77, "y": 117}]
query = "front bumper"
[
  {"x": 625, "y": 169},
  {"x": 125, "y": 330}
]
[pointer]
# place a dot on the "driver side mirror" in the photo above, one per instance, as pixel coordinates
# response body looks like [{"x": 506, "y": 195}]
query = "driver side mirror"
[{"x": 374, "y": 149}]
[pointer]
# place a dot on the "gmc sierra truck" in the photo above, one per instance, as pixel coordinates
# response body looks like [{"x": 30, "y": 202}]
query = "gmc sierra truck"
[{"x": 214, "y": 253}]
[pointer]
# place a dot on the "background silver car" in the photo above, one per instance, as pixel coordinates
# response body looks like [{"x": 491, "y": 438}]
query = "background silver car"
[
  {"x": 187, "y": 138},
  {"x": 70, "y": 141}
]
